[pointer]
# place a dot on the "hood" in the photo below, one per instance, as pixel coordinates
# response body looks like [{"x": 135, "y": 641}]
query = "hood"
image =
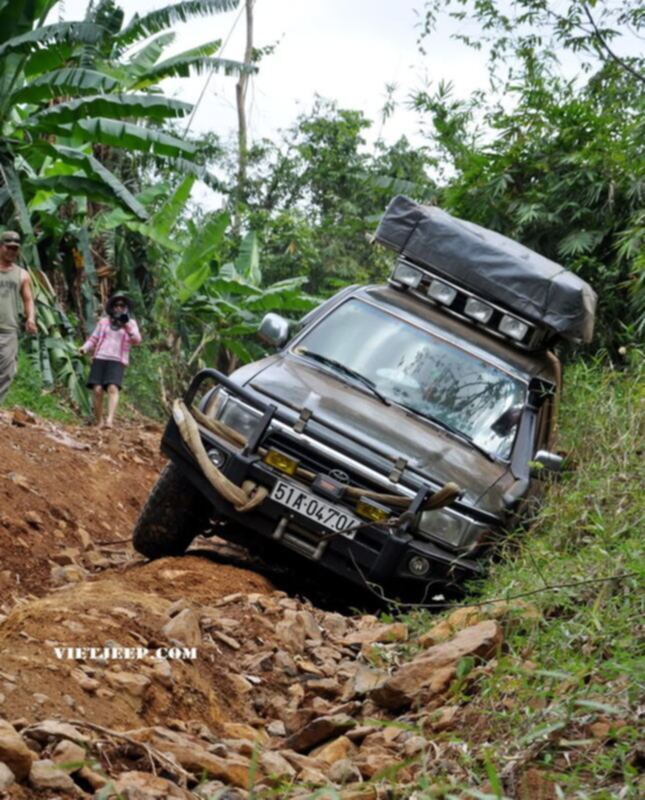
[{"x": 389, "y": 429}]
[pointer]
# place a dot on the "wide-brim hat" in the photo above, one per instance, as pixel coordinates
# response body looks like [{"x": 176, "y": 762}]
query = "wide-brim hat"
[{"x": 114, "y": 299}]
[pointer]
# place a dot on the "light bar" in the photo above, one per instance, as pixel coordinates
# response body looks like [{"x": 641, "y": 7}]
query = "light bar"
[
  {"x": 514, "y": 328},
  {"x": 482, "y": 312},
  {"x": 441, "y": 292},
  {"x": 407, "y": 275}
]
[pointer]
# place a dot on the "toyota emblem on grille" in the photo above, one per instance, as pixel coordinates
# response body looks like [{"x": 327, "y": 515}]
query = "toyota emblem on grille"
[{"x": 339, "y": 475}]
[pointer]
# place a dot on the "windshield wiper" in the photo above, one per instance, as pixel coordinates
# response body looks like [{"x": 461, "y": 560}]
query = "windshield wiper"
[
  {"x": 451, "y": 429},
  {"x": 331, "y": 362}
]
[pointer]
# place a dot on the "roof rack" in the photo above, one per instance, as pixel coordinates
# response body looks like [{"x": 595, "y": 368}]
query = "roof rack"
[{"x": 520, "y": 286}]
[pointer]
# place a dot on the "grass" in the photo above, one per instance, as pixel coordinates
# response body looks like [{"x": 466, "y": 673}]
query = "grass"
[
  {"x": 561, "y": 683},
  {"x": 27, "y": 390},
  {"x": 141, "y": 394}
]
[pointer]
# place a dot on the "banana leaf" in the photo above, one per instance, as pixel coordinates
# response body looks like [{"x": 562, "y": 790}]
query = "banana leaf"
[
  {"x": 247, "y": 263},
  {"x": 66, "y": 81},
  {"x": 141, "y": 27},
  {"x": 203, "y": 245},
  {"x": 116, "y": 106},
  {"x": 55, "y": 56},
  {"x": 168, "y": 215},
  {"x": 99, "y": 175},
  {"x": 17, "y": 16},
  {"x": 124, "y": 134},
  {"x": 193, "y": 281},
  {"x": 96, "y": 190},
  {"x": 14, "y": 187},
  {"x": 81, "y": 32},
  {"x": 149, "y": 54},
  {"x": 184, "y": 66}
]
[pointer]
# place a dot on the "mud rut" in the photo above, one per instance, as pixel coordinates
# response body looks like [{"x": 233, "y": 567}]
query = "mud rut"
[{"x": 278, "y": 690}]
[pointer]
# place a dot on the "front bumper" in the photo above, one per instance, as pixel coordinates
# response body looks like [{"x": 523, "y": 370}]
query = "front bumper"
[{"x": 374, "y": 554}]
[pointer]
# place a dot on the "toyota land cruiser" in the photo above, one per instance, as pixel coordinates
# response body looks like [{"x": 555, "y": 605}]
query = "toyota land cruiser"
[{"x": 399, "y": 432}]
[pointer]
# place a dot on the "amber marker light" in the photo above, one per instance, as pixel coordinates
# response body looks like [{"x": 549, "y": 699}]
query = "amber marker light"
[
  {"x": 370, "y": 510},
  {"x": 281, "y": 462}
]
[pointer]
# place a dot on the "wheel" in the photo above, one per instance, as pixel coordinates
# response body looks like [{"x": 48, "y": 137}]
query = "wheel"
[{"x": 175, "y": 512}]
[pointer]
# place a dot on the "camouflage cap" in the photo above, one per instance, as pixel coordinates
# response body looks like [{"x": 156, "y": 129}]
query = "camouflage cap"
[{"x": 10, "y": 238}]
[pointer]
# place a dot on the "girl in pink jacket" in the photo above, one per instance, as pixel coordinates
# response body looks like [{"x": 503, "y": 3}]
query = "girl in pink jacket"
[{"x": 110, "y": 344}]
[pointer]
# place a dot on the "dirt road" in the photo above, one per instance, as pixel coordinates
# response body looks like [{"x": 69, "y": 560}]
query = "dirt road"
[{"x": 188, "y": 677}]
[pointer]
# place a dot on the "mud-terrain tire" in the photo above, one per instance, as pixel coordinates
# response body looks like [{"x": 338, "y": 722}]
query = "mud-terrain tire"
[{"x": 174, "y": 514}]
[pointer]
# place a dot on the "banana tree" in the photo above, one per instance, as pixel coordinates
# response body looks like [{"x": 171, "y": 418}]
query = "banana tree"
[
  {"x": 208, "y": 309},
  {"x": 92, "y": 85},
  {"x": 222, "y": 304},
  {"x": 79, "y": 102}
]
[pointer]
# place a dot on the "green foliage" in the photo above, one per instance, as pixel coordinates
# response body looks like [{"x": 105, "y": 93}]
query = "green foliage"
[
  {"x": 558, "y": 165},
  {"x": 83, "y": 125},
  {"x": 155, "y": 21},
  {"x": 581, "y": 664},
  {"x": 28, "y": 390},
  {"x": 314, "y": 198},
  {"x": 147, "y": 378}
]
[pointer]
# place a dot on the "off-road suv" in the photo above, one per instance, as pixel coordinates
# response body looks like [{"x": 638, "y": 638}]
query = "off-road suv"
[{"x": 399, "y": 432}]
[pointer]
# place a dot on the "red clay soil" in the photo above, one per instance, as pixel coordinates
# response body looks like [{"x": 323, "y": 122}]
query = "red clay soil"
[
  {"x": 127, "y": 610},
  {"x": 65, "y": 493},
  {"x": 55, "y": 480}
]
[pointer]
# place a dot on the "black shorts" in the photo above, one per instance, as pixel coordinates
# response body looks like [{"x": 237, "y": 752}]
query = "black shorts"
[{"x": 105, "y": 373}]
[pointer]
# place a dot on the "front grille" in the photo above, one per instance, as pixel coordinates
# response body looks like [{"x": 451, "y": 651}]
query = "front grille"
[{"x": 317, "y": 462}]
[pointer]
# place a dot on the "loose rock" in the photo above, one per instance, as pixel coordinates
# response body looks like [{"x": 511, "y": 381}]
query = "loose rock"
[
  {"x": 67, "y": 752},
  {"x": 184, "y": 628},
  {"x": 14, "y": 753},
  {"x": 344, "y": 771},
  {"x": 338, "y": 749},
  {"x": 432, "y": 671},
  {"x": 395, "y": 632},
  {"x": 6, "y": 776},
  {"x": 47, "y": 775},
  {"x": 143, "y": 786},
  {"x": 318, "y": 731},
  {"x": 276, "y": 766},
  {"x": 129, "y": 682}
]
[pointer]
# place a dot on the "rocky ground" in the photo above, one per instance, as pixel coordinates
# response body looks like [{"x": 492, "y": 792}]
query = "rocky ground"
[{"x": 206, "y": 680}]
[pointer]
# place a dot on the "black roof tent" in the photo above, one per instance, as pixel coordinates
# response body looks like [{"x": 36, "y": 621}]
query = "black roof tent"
[{"x": 490, "y": 265}]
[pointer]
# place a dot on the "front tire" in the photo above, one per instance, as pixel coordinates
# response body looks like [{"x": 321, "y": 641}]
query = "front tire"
[{"x": 174, "y": 513}]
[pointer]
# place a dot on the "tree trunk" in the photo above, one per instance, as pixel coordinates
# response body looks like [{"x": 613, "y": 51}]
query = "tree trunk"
[{"x": 242, "y": 134}]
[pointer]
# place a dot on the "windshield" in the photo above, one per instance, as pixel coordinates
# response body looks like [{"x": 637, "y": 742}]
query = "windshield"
[{"x": 415, "y": 369}]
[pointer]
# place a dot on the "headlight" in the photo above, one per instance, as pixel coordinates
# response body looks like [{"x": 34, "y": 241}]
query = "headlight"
[
  {"x": 449, "y": 528},
  {"x": 240, "y": 417},
  {"x": 232, "y": 412}
]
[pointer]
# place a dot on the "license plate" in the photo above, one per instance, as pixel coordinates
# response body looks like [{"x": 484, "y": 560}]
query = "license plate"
[{"x": 312, "y": 507}]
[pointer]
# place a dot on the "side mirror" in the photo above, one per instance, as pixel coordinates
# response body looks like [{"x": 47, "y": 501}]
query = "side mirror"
[
  {"x": 274, "y": 330},
  {"x": 546, "y": 462}
]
